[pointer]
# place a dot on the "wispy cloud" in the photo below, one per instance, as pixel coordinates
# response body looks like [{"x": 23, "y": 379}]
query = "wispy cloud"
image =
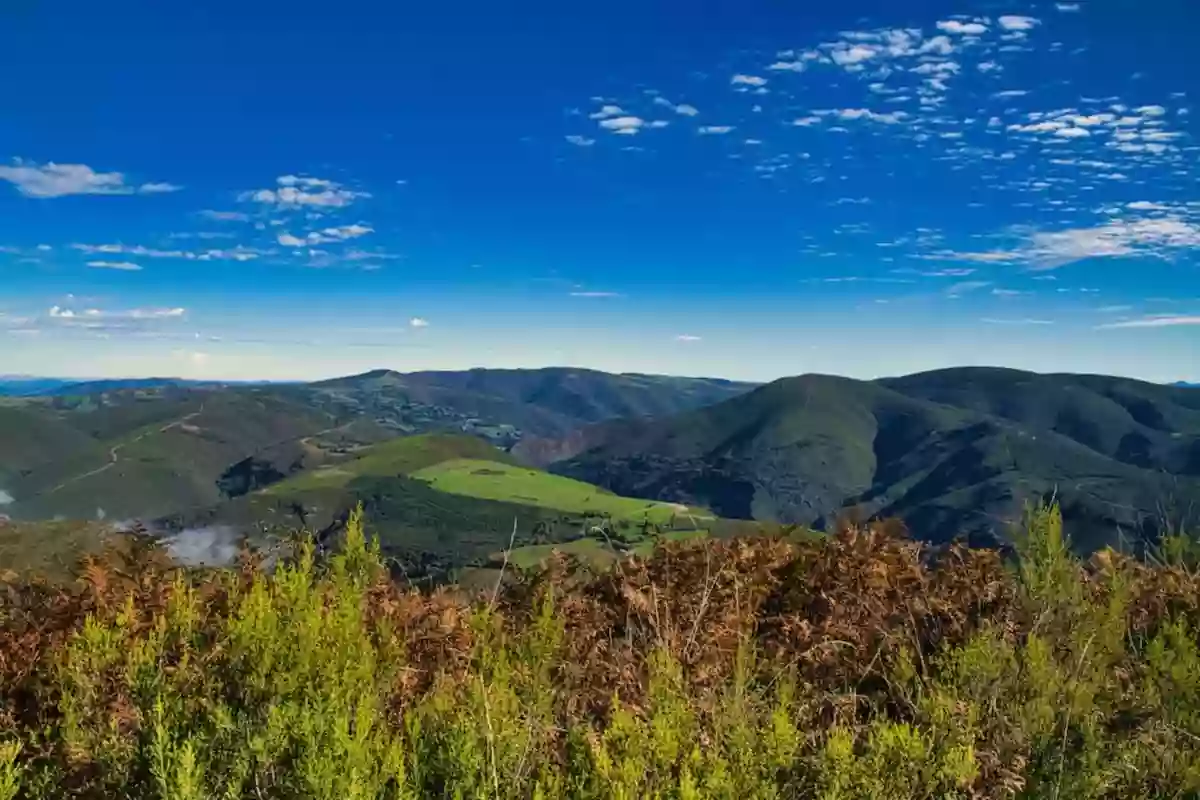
[
  {"x": 1014, "y": 22},
  {"x": 748, "y": 80},
  {"x": 1155, "y": 321},
  {"x": 962, "y": 28},
  {"x": 125, "y": 266},
  {"x": 595, "y": 294},
  {"x": 239, "y": 253},
  {"x": 714, "y": 130},
  {"x": 580, "y": 141},
  {"x": 1154, "y": 237},
  {"x": 1016, "y": 321},
  {"x": 963, "y": 287},
  {"x": 418, "y": 322},
  {"x": 60, "y": 180},
  {"x": 679, "y": 108},
  {"x": 63, "y": 313},
  {"x": 687, "y": 337},
  {"x": 225, "y": 216},
  {"x": 324, "y": 236},
  {"x": 292, "y": 191}
]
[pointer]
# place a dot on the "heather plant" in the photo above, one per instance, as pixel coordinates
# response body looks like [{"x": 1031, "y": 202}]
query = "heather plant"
[{"x": 860, "y": 666}]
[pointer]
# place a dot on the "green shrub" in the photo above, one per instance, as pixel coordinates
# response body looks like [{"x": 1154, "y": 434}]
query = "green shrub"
[{"x": 322, "y": 680}]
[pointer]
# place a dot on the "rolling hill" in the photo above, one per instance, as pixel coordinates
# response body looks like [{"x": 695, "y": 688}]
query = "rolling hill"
[
  {"x": 122, "y": 451},
  {"x": 550, "y": 401},
  {"x": 440, "y": 502},
  {"x": 951, "y": 452}
]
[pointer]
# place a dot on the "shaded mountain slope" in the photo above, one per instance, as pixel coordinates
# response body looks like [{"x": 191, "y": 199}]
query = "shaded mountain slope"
[
  {"x": 958, "y": 451},
  {"x": 553, "y": 400}
]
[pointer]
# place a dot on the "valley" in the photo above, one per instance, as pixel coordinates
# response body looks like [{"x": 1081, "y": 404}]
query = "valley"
[{"x": 446, "y": 463}]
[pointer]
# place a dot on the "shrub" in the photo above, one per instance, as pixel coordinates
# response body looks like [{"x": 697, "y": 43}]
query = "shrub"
[{"x": 862, "y": 666}]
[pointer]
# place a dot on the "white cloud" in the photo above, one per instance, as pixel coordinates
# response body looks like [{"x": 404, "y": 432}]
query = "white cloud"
[
  {"x": 1020, "y": 321},
  {"x": 962, "y": 287},
  {"x": 1157, "y": 321},
  {"x": 1146, "y": 205},
  {"x": 804, "y": 122},
  {"x": 962, "y": 28},
  {"x": 1151, "y": 111},
  {"x": 418, "y": 322},
  {"x": 348, "y": 231},
  {"x": 748, "y": 80},
  {"x": 714, "y": 129},
  {"x": 131, "y": 250},
  {"x": 1089, "y": 120},
  {"x": 158, "y": 188},
  {"x": 1044, "y": 250},
  {"x": 127, "y": 266},
  {"x": 1146, "y": 236},
  {"x": 365, "y": 255},
  {"x": 238, "y": 253},
  {"x": 853, "y": 54},
  {"x": 1011, "y": 93},
  {"x": 325, "y": 236},
  {"x": 627, "y": 125},
  {"x": 1072, "y": 133},
  {"x": 953, "y": 272},
  {"x": 307, "y": 183},
  {"x": 293, "y": 192},
  {"x": 58, "y": 312},
  {"x": 608, "y": 111},
  {"x": 1014, "y": 22},
  {"x": 686, "y": 337},
  {"x": 1045, "y": 126},
  {"x": 686, "y": 110},
  {"x": 59, "y": 180},
  {"x": 225, "y": 216},
  {"x": 595, "y": 294},
  {"x": 1067, "y": 7},
  {"x": 788, "y": 66},
  {"x": 580, "y": 141},
  {"x": 849, "y": 114}
]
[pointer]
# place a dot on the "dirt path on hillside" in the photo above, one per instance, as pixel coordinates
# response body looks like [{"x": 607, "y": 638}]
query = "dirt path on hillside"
[{"x": 115, "y": 450}]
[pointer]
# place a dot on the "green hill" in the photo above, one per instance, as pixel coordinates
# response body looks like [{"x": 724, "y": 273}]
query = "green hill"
[
  {"x": 442, "y": 502},
  {"x": 146, "y": 449},
  {"x": 952, "y": 452}
]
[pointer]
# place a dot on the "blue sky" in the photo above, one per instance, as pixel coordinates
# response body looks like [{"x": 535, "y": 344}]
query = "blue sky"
[{"x": 745, "y": 189}]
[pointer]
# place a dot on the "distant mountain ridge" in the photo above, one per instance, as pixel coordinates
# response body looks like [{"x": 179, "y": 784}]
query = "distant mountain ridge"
[
  {"x": 161, "y": 447},
  {"x": 950, "y": 451},
  {"x": 33, "y": 386}
]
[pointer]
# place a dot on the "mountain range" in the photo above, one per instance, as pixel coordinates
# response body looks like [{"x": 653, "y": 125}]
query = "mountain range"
[
  {"x": 158, "y": 449},
  {"x": 951, "y": 452}
]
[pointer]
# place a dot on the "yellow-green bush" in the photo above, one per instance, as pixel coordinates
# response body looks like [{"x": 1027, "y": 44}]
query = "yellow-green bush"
[{"x": 322, "y": 680}]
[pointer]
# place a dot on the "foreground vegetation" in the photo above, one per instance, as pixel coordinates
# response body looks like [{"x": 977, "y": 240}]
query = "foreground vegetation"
[{"x": 861, "y": 666}]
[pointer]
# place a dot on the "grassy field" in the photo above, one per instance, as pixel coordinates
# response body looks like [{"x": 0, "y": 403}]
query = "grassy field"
[
  {"x": 403, "y": 456},
  {"x": 515, "y": 484}
]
